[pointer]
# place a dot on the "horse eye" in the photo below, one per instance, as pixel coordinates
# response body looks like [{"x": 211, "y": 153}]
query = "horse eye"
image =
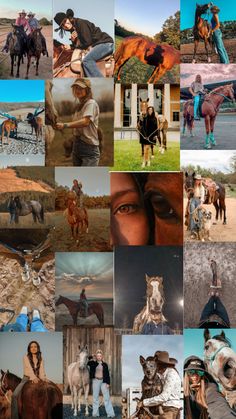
[
  {"x": 162, "y": 208},
  {"x": 206, "y": 347}
]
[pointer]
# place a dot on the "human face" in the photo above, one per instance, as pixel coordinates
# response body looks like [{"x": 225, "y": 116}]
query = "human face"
[
  {"x": 195, "y": 376},
  {"x": 150, "y": 111},
  {"x": 67, "y": 25},
  {"x": 79, "y": 92},
  {"x": 129, "y": 221},
  {"x": 99, "y": 356},
  {"x": 33, "y": 348}
]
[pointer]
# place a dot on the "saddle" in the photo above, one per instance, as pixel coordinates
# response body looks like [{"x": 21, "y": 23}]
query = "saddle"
[{"x": 106, "y": 64}]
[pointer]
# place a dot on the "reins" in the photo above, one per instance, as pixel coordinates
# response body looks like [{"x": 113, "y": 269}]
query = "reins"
[{"x": 213, "y": 357}]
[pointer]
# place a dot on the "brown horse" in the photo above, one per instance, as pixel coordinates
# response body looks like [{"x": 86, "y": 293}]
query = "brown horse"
[
  {"x": 69, "y": 62},
  {"x": 17, "y": 47},
  {"x": 76, "y": 216},
  {"x": 202, "y": 30},
  {"x": 42, "y": 400},
  {"x": 217, "y": 199},
  {"x": 36, "y": 123},
  {"x": 7, "y": 127},
  {"x": 75, "y": 307},
  {"x": 162, "y": 57},
  {"x": 35, "y": 49},
  {"x": 210, "y": 108},
  {"x": 5, "y": 408}
]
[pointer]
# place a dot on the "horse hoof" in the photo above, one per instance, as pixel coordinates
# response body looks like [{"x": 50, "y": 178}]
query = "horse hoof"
[{"x": 224, "y": 223}]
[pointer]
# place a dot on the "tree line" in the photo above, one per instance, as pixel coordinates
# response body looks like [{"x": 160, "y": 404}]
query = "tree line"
[
  {"x": 217, "y": 175},
  {"x": 46, "y": 199},
  {"x": 92, "y": 202},
  {"x": 36, "y": 174},
  {"x": 228, "y": 29}
]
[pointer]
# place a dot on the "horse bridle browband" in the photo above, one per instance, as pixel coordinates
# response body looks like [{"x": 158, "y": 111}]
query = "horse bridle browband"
[{"x": 213, "y": 357}]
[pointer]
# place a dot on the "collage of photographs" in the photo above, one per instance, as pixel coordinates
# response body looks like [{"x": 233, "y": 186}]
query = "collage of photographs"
[{"x": 117, "y": 209}]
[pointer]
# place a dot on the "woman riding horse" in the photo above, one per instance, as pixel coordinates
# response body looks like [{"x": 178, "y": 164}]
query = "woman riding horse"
[
  {"x": 34, "y": 24},
  {"x": 20, "y": 21},
  {"x": 196, "y": 89},
  {"x": 77, "y": 188},
  {"x": 85, "y": 34},
  {"x": 217, "y": 35}
]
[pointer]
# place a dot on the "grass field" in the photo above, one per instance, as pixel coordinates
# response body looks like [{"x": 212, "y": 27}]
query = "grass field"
[
  {"x": 128, "y": 157},
  {"x": 26, "y": 221},
  {"x": 136, "y": 72}
]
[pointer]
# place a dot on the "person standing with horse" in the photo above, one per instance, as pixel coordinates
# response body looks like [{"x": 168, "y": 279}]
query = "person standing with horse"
[
  {"x": 85, "y": 151},
  {"x": 148, "y": 125},
  {"x": 99, "y": 373},
  {"x": 195, "y": 203},
  {"x": 84, "y": 35},
  {"x": 33, "y": 367},
  {"x": 202, "y": 398},
  {"x": 196, "y": 89},
  {"x": 217, "y": 35}
]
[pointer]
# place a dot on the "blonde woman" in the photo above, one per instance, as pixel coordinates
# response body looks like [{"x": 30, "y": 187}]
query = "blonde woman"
[
  {"x": 84, "y": 124},
  {"x": 99, "y": 373}
]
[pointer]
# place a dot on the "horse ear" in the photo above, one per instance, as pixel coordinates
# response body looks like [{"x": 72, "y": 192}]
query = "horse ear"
[
  {"x": 186, "y": 174},
  {"x": 222, "y": 334},
  {"x": 79, "y": 347},
  {"x": 86, "y": 347},
  {"x": 2, "y": 372},
  {"x": 160, "y": 279},
  {"x": 148, "y": 99},
  {"x": 207, "y": 335},
  {"x": 140, "y": 99},
  {"x": 147, "y": 277},
  {"x": 193, "y": 174},
  {"x": 142, "y": 360}
]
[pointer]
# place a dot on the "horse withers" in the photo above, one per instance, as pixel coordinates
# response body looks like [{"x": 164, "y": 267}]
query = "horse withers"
[{"x": 78, "y": 378}]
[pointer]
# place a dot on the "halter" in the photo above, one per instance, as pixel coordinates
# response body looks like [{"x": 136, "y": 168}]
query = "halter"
[
  {"x": 221, "y": 94},
  {"x": 213, "y": 357}
]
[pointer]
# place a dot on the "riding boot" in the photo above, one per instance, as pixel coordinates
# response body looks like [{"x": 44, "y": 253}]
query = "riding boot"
[
  {"x": 212, "y": 138},
  {"x": 207, "y": 142}
]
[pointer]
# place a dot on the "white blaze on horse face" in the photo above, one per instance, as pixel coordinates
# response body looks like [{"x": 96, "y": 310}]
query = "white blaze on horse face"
[
  {"x": 155, "y": 300},
  {"x": 217, "y": 356},
  {"x": 83, "y": 358}
]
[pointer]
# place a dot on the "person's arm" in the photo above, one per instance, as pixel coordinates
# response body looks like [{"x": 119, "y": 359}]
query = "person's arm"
[
  {"x": 217, "y": 23},
  {"x": 191, "y": 90},
  {"x": 28, "y": 370},
  {"x": 108, "y": 380},
  {"x": 202, "y": 196},
  {"x": 172, "y": 381},
  {"x": 81, "y": 123},
  {"x": 218, "y": 407}
]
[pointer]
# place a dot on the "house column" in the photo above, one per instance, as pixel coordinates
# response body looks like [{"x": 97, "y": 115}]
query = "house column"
[
  {"x": 151, "y": 94},
  {"x": 117, "y": 106},
  {"x": 167, "y": 103},
  {"x": 134, "y": 115}
]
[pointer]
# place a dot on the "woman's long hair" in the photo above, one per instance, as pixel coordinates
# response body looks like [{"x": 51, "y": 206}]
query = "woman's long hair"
[
  {"x": 80, "y": 104},
  {"x": 38, "y": 355},
  {"x": 199, "y": 398}
]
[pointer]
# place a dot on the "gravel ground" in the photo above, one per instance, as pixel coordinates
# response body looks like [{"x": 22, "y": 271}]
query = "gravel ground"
[{"x": 25, "y": 143}]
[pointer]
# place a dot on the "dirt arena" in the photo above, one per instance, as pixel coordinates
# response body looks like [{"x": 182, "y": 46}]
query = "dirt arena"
[{"x": 201, "y": 57}]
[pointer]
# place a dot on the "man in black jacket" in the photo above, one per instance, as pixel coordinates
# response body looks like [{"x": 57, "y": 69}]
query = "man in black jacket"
[
  {"x": 85, "y": 34},
  {"x": 99, "y": 374}
]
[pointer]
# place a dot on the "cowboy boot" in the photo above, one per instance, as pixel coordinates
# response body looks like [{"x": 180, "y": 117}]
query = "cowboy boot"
[
  {"x": 207, "y": 145},
  {"x": 212, "y": 138}
]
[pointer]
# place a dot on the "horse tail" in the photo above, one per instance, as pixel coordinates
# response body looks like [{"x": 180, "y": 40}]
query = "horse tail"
[{"x": 42, "y": 214}]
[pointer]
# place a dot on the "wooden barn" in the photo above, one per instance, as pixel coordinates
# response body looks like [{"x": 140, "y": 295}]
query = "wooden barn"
[{"x": 102, "y": 338}]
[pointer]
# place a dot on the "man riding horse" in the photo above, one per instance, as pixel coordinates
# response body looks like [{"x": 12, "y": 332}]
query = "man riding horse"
[{"x": 84, "y": 35}]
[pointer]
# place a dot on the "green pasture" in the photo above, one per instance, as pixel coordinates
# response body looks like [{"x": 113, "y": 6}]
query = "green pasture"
[
  {"x": 128, "y": 157},
  {"x": 136, "y": 72}
]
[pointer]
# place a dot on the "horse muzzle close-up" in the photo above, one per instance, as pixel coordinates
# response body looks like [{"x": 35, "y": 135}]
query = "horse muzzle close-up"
[{"x": 227, "y": 373}]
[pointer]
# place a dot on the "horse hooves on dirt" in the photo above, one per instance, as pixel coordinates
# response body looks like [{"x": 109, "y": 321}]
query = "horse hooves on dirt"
[{"x": 224, "y": 223}]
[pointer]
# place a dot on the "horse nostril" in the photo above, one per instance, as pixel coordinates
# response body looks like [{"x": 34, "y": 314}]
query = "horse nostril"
[{"x": 229, "y": 369}]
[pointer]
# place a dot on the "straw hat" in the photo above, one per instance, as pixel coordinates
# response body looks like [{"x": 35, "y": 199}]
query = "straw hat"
[{"x": 84, "y": 83}]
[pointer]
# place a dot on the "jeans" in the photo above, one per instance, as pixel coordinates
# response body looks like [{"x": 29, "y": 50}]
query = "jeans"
[
  {"x": 196, "y": 100},
  {"x": 218, "y": 41},
  {"x": 215, "y": 306},
  {"x": 36, "y": 325},
  {"x": 14, "y": 399},
  {"x": 12, "y": 217},
  {"x": 84, "y": 154},
  {"x": 194, "y": 203},
  {"x": 97, "y": 386},
  {"x": 97, "y": 53}
]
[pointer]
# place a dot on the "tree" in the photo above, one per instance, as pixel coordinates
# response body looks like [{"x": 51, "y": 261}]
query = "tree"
[{"x": 170, "y": 32}]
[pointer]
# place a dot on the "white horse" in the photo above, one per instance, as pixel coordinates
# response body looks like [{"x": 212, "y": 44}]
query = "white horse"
[
  {"x": 152, "y": 311},
  {"x": 78, "y": 378}
]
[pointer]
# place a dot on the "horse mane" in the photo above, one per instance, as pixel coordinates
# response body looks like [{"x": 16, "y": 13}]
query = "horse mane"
[
  {"x": 222, "y": 339},
  {"x": 13, "y": 377},
  {"x": 219, "y": 88}
]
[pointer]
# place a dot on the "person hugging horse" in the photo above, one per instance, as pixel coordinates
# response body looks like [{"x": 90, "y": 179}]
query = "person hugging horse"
[
  {"x": 84, "y": 35},
  {"x": 195, "y": 203},
  {"x": 217, "y": 35}
]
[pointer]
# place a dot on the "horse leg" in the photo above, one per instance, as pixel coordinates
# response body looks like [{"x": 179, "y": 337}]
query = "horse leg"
[
  {"x": 217, "y": 210},
  {"x": 184, "y": 126},
  {"x": 196, "y": 42},
  {"x": 212, "y": 124},
  {"x": 207, "y": 126},
  {"x": 28, "y": 66},
  {"x": 75, "y": 400},
  {"x": 79, "y": 399},
  {"x": 222, "y": 207},
  {"x": 37, "y": 66},
  {"x": 18, "y": 67},
  {"x": 86, "y": 393},
  {"x": 158, "y": 73},
  {"x": 12, "y": 65},
  {"x": 206, "y": 48},
  {"x": 119, "y": 64}
]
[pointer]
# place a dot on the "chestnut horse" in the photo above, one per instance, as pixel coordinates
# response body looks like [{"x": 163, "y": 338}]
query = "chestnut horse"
[
  {"x": 162, "y": 57},
  {"x": 76, "y": 216},
  {"x": 35, "y": 49},
  {"x": 210, "y": 109},
  {"x": 74, "y": 307},
  {"x": 220, "y": 360},
  {"x": 202, "y": 30},
  {"x": 41, "y": 400},
  {"x": 7, "y": 127},
  {"x": 218, "y": 199}
]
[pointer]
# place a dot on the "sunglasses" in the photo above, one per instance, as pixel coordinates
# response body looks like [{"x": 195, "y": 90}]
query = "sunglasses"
[{"x": 193, "y": 372}]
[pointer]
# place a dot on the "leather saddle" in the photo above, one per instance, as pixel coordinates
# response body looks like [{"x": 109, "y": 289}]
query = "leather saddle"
[{"x": 106, "y": 64}]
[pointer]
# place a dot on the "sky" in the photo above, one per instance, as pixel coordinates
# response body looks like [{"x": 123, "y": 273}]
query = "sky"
[
  {"x": 218, "y": 73},
  {"x": 99, "y": 12},
  {"x": 95, "y": 182},
  {"x": 101, "y": 87},
  {"x": 213, "y": 159},
  {"x": 131, "y": 266},
  {"x": 146, "y": 17},
  {"x": 14, "y": 347},
  {"x": 10, "y": 9},
  {"x": 194, "y": 340},
  {"x": 135, "y": 345},
  {"x": 22, "y": 160},
  {"x": 21, "y": 91},
  {"x": 97, "y": 266},
  {"x": 188, "y": 7}
]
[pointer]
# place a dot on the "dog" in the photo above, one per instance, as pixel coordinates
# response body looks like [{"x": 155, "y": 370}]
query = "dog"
[{"x": 204, "y": 223}]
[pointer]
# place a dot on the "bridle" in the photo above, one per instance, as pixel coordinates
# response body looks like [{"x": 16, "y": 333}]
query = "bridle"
[{"x": 213, "y": 357}]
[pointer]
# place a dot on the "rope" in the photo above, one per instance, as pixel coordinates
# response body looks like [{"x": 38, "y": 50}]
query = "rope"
[{"x": 147, "y": 138}]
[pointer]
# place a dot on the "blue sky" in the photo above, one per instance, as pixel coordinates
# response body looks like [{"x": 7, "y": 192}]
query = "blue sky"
[
  {"x": 14, "y": 347},
  {"x": 95, "y": 182},
  {"x": 99, "y": 12},
  {"x": 10, "y": 9},
  {"x": 188, "y": 7},
  {"x": 145, "y": 17},
  {"x": 21, "y": 160},
  {"x": 21, "y": 91},
  {"x": 135, "y": 345},
  {"x": 194, "y": 340}
]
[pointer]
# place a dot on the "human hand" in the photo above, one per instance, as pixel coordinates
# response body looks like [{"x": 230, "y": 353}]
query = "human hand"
[
  {"x": 108, "y": 385},
  {"x": 74, "y": 36},
  {"x": 59, "y": 125},
  {"x": 35, "y": 381},
  {"x": 66, "y": 47}
]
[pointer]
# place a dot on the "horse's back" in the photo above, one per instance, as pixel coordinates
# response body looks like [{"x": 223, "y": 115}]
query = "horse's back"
[{"x": 43, "y": 399}]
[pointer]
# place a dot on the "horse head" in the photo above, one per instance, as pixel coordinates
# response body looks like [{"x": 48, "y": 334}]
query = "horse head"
[
  {"x": 59, "y": 301},
  {"x": 155, "y": 294},
  {"x": 201, "y": 8},
  {"x": 229, "y": 91},
  {"x": 220, "y": 359},
  {"x": 149, "y": 366},
  {"x": 189, "y": 181},
  {"x": 143, "y": 106},
  {"x": 82, "y": 357}
]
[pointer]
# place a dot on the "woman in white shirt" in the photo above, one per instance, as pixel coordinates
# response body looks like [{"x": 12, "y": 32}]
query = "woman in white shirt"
[{"x": 196, "y": 201}]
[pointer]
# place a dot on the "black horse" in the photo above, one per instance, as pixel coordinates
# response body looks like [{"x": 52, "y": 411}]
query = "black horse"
[
  {"x": 202, "y": 30},
  {"x": 17, "y": 47},
  {"x": 219, "y": 197},
  {"x": 36, "y": 47},
  {"x": 36, "y": 124}
]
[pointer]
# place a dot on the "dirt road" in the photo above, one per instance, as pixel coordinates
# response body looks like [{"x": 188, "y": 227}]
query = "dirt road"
[
  {"x": 187, "y": 52},
  {"x": 220, "y": 232}
]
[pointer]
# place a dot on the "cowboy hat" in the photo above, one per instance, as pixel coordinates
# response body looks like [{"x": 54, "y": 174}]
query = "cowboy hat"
[
  {"x": 163, "y": 358},
  {"x": 23, "y": 12},
  {"x": 195, "y": 363},
  {"x": 197, "y": 177},
  {"x": 59, "y": 17},
  {"x": 84, "y": 83},
  {"x": 31, "y": 14}
]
